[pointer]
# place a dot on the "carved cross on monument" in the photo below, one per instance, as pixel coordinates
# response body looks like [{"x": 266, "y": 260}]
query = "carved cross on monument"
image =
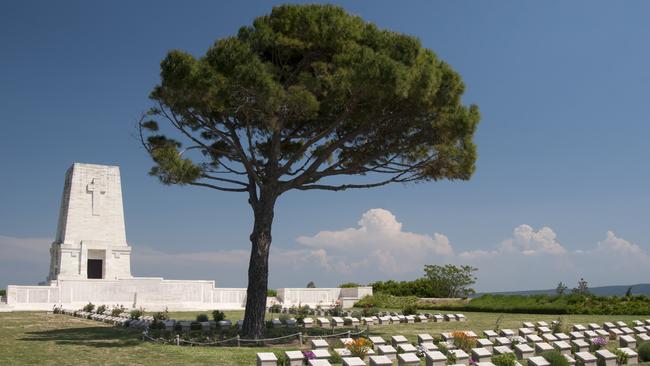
[{"x": 96, "y": 188}]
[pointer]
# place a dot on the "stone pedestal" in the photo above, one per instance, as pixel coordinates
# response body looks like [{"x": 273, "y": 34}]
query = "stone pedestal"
[
  {"x": 435, "y": 358},
  {"x": 380, "y": 361},
  {"x": 266, "y": 359}
]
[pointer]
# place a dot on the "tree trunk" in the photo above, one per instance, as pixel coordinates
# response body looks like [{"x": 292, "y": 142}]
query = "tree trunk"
[{"x": 258, "y": 268}]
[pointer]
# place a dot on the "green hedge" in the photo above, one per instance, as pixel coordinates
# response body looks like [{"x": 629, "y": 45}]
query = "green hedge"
[
  {"x": 386, "y": 301},
  {"x": 546, "y": 304}
]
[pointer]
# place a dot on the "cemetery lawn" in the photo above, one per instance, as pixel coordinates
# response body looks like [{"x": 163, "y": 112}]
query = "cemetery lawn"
[{"x": 49, "y": 339}]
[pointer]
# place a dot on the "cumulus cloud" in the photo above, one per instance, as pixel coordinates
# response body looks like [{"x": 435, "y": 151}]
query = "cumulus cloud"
[
  {"x": 612, "y": 243},
  {"x": 378, "y": 241},
  {"x": 524, "y": 241}
]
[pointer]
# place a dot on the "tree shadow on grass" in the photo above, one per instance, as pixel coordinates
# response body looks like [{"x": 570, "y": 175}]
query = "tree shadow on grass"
[{"x": 101, "y": 337}]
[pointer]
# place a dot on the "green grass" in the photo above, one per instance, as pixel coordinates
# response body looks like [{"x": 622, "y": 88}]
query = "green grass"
[{"x": 30, "y": 338}]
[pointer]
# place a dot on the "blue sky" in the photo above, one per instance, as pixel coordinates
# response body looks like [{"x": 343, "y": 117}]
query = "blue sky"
[{"x": 563, "y": 93}]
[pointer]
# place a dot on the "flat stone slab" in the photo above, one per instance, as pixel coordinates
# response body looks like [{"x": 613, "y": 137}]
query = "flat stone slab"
[
  {"x": 408, "y": 359},
  {"x": 319, "y": 344},
  {"x": 319, "y": 363},
  {"x": 586, "y": 357},
  {"x": 321, "y": 353},
  {"x": 406, "y": 348},
  {"x": 386, "y": 349},
  {"x": 380, "y": 361},
  {"x": 435, "y": 356},
  {"x": 501, "y": 350},
  {"x": 538, "y": 361},
  {"x": 605, "y": 354},
  {"x": 429, "y": 346},
  {"x": 543, "y": 347},
  {"x": 424, "y": 337},
  {"x": 353, "y": 361},
  {"x": 294, "y": 355}
]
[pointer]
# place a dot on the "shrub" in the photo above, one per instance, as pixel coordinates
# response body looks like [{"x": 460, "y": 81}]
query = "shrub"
[
  {"x": 335, "y": 357},
  {"x": 271, "y": 293},
  {"x": 136, "y": 313},
  {"x": 621, "y": 357},
  {"x": 386, "y": 301},
  {"x": 218, "y": 315},
  {"x": 463, "y": 341},
  {"x": 369, "y": 311},
  {"x": 558, "y": 325},
  {"x": 555, "y": 358},
  {"x": 275, "y": 308},
  {"x": 644, "y": 352},
  {"x": 410, "y": 309},
  {"x": 161, "y": 315},
  {"x": 336, "y": 310},
  {"x": 101, "y": 309},
  {"x": 349, "y": 285},
  {"x": 202, "y": 318},
  {"x": 359, "y": 347},
  {"x": 89, "y": 307},
  {"x": 283, "y": 360},
  {"x": 116, "y": 311},
  {"x": 505, "y": 359}
]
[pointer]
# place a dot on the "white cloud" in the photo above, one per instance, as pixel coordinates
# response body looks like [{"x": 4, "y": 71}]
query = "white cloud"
[
  {"x": 619, "y": 245},
  {"x": 378, "y": 242},
  {"x": 524, "y": 241}
]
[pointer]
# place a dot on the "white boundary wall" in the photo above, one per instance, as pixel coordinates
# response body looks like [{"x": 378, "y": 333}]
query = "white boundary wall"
[
  {"x": 149, "y": 293},
  {"x": 156, "y": 294},
  {"x": 322, "y": 296}
]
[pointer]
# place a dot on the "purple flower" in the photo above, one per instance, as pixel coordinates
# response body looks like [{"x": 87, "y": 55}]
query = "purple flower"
[
  {"x": 599, "y": 341},
  {"x": 309, "y": 355}
]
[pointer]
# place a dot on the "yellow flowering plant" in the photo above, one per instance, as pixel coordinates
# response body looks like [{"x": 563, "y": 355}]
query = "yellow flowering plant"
[{"x": 358, "y": 347}]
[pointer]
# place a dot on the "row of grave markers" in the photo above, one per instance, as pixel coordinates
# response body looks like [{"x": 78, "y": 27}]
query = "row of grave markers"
[{"x": 404, "y": 353}]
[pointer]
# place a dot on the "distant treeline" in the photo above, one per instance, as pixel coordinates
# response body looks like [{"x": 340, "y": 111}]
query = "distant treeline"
[{"x": 552, "y": 304}]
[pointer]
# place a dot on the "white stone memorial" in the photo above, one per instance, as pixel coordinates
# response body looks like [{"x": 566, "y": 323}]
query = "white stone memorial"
[{"x": 90, "y": 261}]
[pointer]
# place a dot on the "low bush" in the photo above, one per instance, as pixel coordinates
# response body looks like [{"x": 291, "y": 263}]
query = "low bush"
[
  {"x": 89, "y": 307},
  {"x": 381, "y": 300},
  {"x": 555, "y": 358},
  {"x": 101, "y": 309},
  {"x": 551, "y": 304},
  {"x": 463, "y": 341},
  {"x": 271, "y": 293},
  {"x": 621, "y": 357},
  {"x": 283, "y": 360},
  {"x": 218, "y": 315},
  {"x": 410, "y": 309},
  {"x": 136, "y": 313},
  {"x": 116, "y": 311},
  {"x": 202, "y": 318},
  {"x": 336, "y": 311},
  {"x": 644, "y": 352},
  {"x": 275, "y": 308},
  {"x": 161, "y": 315},
  {"x": 505, "y": 359},
  {"x": 349, "y": 285}
]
